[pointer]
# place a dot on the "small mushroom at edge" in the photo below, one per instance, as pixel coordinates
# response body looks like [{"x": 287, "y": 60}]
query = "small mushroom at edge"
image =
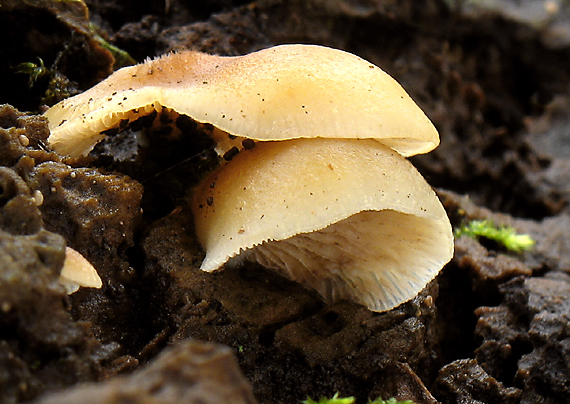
[
  {"x": 78, "y": 272},
  {"x": 349, "y": 218}
]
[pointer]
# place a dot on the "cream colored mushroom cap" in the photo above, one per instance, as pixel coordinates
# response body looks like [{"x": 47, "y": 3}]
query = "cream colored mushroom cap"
[
  {"x": 350, "y": 218},
  {"x": 279, "y": 93},
  {"x": 78, "y": 272}
]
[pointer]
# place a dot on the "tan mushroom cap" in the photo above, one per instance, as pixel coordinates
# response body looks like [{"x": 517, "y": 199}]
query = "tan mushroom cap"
[
  {"x": 284, "y": 92},
  {"x": 350, "y": 218},
  {"x": 78, "y": 272}
]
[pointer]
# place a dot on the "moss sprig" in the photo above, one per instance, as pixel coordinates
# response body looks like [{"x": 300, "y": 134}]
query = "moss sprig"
[
  {"x": 504, "y": 235},
  {"x": 350, "y": 400}
]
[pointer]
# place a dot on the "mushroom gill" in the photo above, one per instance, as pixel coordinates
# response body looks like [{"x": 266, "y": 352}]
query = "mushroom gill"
[
  {"x": 349, "y": 218},
  {"x": 284, "y": 92}
]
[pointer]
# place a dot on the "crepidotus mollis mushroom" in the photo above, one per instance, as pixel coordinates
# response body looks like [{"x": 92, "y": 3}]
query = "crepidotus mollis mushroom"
[
  {"x": 308, "y": 106},
  {"x": 284, "y": 92},
  {"x": 350, "y": 218}
]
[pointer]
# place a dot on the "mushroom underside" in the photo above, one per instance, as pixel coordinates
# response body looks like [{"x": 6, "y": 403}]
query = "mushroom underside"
[
  {"x": 79, "y": 139},
  {"x": 350, "y": 218},
  {"x": 376, "y": 258}
]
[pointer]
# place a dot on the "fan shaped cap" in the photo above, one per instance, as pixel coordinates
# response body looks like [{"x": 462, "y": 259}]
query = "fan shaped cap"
[
  {"x": 279, "y": 93},
  {"x": 78, "y": 272},
  {"x": 349, "y": 218}
]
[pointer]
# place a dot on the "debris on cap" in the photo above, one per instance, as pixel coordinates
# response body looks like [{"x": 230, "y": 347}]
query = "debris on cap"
[{"x": 279, "y": 93}]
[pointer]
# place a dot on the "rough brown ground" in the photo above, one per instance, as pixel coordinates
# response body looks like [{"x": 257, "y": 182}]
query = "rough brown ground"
[{"x": 493, "y": 327}]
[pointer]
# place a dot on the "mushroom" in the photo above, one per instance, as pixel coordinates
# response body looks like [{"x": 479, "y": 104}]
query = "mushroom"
[
  {"x": 326, "y": 197},
  {"x": 78, "y": 272},
  {"x": 279, "y": 93},
  {"x": 350, "y": 218}
]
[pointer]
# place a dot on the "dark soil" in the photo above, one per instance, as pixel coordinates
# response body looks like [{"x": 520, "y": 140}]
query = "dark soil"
[{"x": 494, "y": 327}]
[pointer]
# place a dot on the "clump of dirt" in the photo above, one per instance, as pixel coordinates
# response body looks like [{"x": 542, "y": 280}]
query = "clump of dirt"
[
  {"x": 41, "y": 346},
  {"x": 191, "y": 372},
  {"x": 525, "y": 339},
  {"x": 464, "y": 381},
  {"x": 518, "y": 330}
]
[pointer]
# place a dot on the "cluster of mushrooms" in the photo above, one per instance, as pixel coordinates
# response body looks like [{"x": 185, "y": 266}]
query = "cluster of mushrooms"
[{"x": 325, "y": 195}]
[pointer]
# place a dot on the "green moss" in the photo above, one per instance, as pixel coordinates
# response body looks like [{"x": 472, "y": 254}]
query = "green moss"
[
  {"x": 350, "y": 400},
  {"x": 35, "y": 71},
  {"x": 57, "y": 85},
  {"x": 505, "y": 236},
  {"x": 122, "y": 58},
  {"x": 333, "y": 400}
]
